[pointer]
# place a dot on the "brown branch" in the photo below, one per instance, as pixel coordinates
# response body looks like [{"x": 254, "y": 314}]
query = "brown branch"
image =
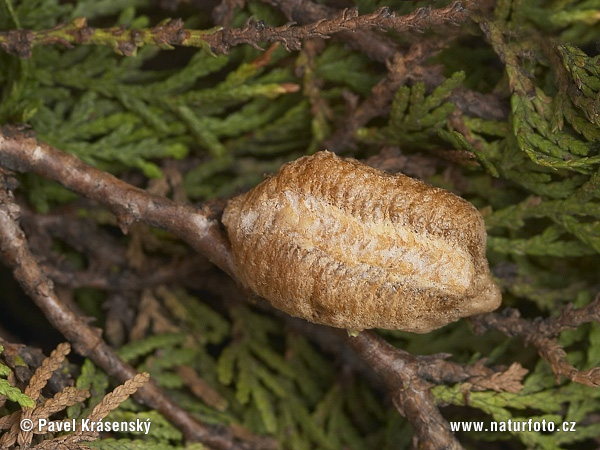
[
  {"x": 171, "y": 33},
  {"x": 541, "y": 333},
  {"x": 347, "y": 21},
  {"x": 87, "y": 340},
  {"x": 430, "y": 368},
  {"x": 128, "y": 203},
  {"x": 291, "y": 37},
  {"x": 476, "y": 377},
  {"x": 406, "y": 379},
  {"x": 376, "y": 46},
  {"x": 410, "y": 392}
]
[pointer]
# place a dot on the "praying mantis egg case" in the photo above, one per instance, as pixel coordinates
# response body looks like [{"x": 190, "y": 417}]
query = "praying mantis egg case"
[{"x": 340, "y": 243}]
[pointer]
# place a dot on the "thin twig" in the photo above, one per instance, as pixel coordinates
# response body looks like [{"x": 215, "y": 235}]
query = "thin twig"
[
  {"x": 541, "y": 333},
  {"x": 221, "y": 40},
  {"x": 375, "y": 45},
  {"x": 410, "y": 392}
]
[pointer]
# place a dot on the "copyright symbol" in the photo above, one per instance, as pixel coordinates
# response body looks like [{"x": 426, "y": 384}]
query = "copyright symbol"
[{"x": 26, "y": 424}]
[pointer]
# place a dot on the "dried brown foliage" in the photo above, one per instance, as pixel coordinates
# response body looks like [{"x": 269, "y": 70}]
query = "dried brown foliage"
[{"x": 16, "y": 437}]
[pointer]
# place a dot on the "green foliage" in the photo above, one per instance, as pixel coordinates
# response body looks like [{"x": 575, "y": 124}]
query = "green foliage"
[
  {"x": 264, "y": 381},
  {"x": 113, "y": 113},
  {"x": 339, "y": 65},
  {"x": 32, "y": 14},
  {"x": 289, "y": 392},
  {"x": 534, "y": 119},
  {"x": 4, "y": 370},
  {"x": 540, "y": 400},
  {"x": 140, "y": 348},
  {"x": 583, "y": 89},
  {"x": 296, "y": 397},
  {"x": 415, "y": 118},
  {"x": 573, "y": 21},
  {"x": 10, "y": 392},
  {"x": 162, "y": 430},
  {"x": 93, "y": 380},
  {"x": 14, "y": 394}
]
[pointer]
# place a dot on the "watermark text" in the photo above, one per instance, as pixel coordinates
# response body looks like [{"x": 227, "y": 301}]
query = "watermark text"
[
  {"x": 39, "y": 426},
  {"x": 515, "y": 426}
]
